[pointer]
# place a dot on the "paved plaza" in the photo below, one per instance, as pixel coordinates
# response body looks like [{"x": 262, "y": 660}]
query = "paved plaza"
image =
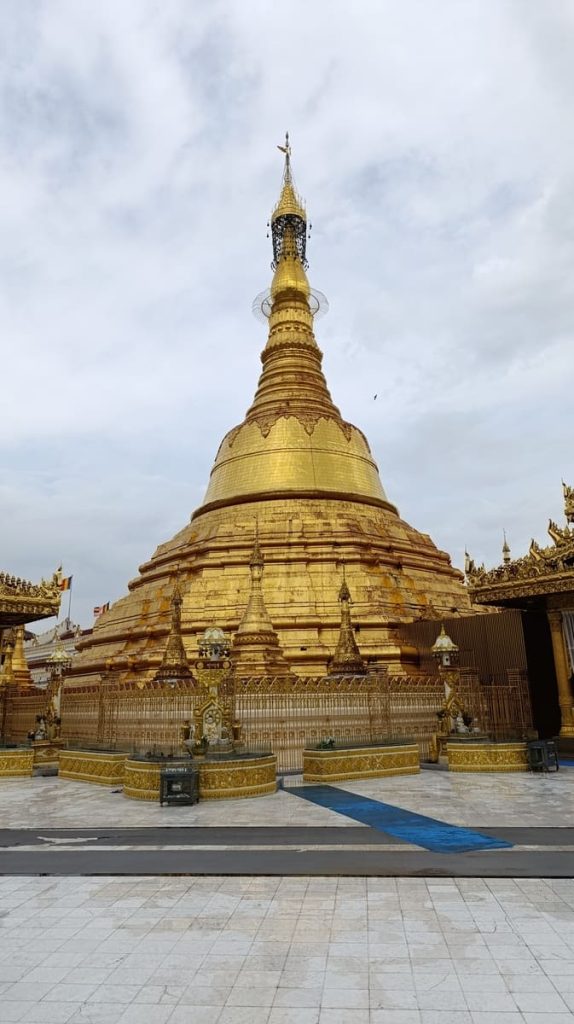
[
  {"x": 519, "y": 799},
  {"x": 255, "y": 948},
  {"x": 286, "y": 951}
]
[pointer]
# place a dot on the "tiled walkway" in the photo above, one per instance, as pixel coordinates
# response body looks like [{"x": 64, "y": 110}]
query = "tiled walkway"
[
  {"x": 295, "y": 951},
  {"x": 468, "y": 800}
]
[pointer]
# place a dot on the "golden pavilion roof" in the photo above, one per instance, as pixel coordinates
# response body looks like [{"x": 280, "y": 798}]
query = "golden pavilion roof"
[
  {"x": 22, "y": 601},
  {"x": 541, "y": 572}
]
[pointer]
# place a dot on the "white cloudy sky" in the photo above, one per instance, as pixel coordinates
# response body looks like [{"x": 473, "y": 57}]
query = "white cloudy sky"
[{"x": 434, "y": 144}]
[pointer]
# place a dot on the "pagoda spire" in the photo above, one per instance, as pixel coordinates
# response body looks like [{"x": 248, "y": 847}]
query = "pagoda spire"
[
  {"x": 8, "y": 644},
  {"x": 293, "y": 440},
  {"x": 292, "y": 381},
  {"x": 174, "y": 666},
  {"x": 256, "y": 650},
  {"x": 347, "y": 659},
  {"x": 20, "y": 672}
]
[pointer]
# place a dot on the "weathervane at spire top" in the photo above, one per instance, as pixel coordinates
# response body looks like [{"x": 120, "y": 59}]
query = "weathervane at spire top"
[{"x": 287, "y": 150}]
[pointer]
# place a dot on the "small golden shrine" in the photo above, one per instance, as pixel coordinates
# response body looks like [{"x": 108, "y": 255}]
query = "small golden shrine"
[
  {"x": 543, "y": 579},
  {"x": 22, "y": 602}
]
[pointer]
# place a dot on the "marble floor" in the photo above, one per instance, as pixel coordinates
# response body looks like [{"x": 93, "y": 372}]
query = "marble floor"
[
  {"x": 470, "y": 800},
  {"x": 286, "y": 951}
]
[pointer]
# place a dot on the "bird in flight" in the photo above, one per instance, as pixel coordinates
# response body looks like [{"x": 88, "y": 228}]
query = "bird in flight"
[{"x": 375, "y": 398}]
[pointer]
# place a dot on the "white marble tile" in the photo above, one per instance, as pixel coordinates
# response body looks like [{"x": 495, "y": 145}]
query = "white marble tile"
[
  {"x": 291, "y": 1015},
  {"x": 345, "y": 998},
  {"x": 540, "y": 1002},
  {"x": 309, "y": 998},
  {"x": 51, "y": 1013},
  {"x": 15, "y": 1010},
  {"x": 540, "y": 1018}
]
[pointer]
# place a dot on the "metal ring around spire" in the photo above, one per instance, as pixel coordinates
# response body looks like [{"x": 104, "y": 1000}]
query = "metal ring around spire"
[{"x": 261, "y": 307}]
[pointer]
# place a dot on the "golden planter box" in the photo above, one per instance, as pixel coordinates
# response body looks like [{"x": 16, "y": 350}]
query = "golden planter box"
[
  {"x": 249, "y": 776},
  {"x": 16, "y": 763},
  {"x": 102, "y": 767},
  {"x": 360, "y": 762},
  {"x": 218, "y": 780},
  {"x": 487, "y": 757}
]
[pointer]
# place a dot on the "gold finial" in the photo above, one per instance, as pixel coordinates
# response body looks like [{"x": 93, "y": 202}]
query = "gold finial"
[
  {"x": 287, "y": 150},
  {"x": 256, "y": 560},
  {"x": 568, "y": 493},
  {"x": 289, "y": 211},
  {"x": 344, "y": 592}
]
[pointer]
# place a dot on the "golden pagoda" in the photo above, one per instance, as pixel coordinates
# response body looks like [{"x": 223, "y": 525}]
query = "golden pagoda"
[{"x": 302, "y": 478}]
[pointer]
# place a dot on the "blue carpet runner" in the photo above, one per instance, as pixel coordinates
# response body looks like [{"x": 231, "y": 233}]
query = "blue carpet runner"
[{"x": 438, "y": 836}]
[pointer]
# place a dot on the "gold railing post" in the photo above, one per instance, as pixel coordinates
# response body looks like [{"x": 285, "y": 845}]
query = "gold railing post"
[{"x": 561, "y": 667}]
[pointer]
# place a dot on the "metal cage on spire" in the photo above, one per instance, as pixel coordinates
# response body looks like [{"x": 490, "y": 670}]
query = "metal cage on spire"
[{"x": 289, "y": 219}]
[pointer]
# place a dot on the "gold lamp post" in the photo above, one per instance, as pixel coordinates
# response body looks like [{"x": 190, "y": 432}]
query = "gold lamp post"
[{"x": 446, "y": 654}]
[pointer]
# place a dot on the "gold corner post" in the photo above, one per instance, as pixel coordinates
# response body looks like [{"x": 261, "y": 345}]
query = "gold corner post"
[{"x": 562, "y": 675}]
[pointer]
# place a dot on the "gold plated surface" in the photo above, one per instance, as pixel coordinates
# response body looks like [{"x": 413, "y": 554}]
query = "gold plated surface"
[
  {"x": 347, "y": 659},
  {"x": 22, "y": 601},
  {"x": 230, "y": 780},
  {"x": 103, "y": 768},
  {"x": 218, "y": 780},
  {"x": 487, "y": 757},
  {"x": 360, "y": 763},
  {"x": 16, "y": 763},
  {"x": 20, "y": 672}
]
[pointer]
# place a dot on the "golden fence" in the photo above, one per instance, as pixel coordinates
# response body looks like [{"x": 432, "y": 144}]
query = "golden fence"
[
  {"x": 19, "y": 710},
  {"x": 282, "y": 715},
  {"x": 288, "y": 715}
]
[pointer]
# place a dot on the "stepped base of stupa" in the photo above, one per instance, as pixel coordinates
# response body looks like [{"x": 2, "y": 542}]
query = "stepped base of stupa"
[{"x": 395, "y": 574}]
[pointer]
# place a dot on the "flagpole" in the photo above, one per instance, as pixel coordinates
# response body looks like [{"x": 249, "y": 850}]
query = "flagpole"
[{"x": 69, "y": 603}]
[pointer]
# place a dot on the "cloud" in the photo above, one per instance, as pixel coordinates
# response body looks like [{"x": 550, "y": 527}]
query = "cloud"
[{"x": 434, "y": 145}]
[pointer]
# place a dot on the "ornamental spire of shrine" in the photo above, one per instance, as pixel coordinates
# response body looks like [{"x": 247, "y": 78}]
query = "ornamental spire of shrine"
[
  {"x": 174, "y": 665},
  {"x": 20, "y": 671},
  {"x": 256, "y": 650},
  {"x": 347, "y": 659}
]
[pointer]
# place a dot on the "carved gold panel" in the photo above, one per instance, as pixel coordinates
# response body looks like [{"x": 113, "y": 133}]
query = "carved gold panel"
[
  {"x": 105, "y": 769},
  {"x": 487, "y": 757},
  {"x": 360, "y": 763},
  {"x": 16, "y": 763}
]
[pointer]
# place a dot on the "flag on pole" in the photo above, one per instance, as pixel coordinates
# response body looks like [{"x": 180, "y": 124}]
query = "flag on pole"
[
  {"x": 101, "y": 608},
  {"x": 66, "y": 583}
]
